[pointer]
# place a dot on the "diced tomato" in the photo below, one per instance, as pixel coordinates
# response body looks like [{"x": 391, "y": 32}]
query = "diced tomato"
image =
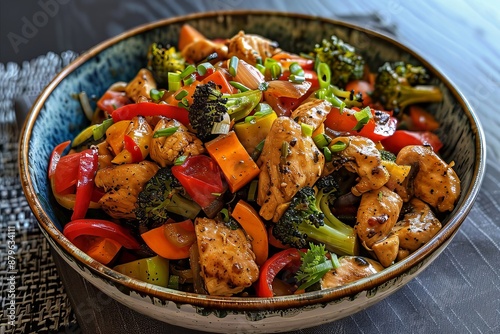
[{"x": 112, "y": 100}]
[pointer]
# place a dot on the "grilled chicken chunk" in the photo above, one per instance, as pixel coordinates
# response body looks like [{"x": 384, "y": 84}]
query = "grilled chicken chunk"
[
  {"x": 361, "y": 156},
  {"x": 351, "y": 269},
  {"x": 226, "y": 258},
  {"x": 284, "y": 173},
  {"x": 123, "y": 184},
  {"x": 165, "y": 150},
  {"x": 312, "y": 112},
  {"x": 417, "y": 227},
  {"x": 141, "y": 85},
  {"x": 435, "y": 182},
  {"x": 251, "y": 48},
  {"x": 377, "y": 214}
]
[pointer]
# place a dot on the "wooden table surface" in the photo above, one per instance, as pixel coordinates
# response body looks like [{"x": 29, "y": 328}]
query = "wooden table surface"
[{"x": 460, "y": 291}]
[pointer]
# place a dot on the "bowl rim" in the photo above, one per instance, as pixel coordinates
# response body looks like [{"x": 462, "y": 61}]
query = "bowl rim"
[{"x": 245, "y": 304}]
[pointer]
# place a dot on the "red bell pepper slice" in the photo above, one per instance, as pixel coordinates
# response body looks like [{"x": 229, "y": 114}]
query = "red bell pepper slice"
[
  {"x": 112, "y": 100},
  {"x": 421, "y": 120},
  {"x": 130, "y": 111},
  {"x": 89, "y": 162},
  {"x": 55, "y": 156},
  {"x": 402, "y": 138},
  {"x": 66, "y": 173},
  {"x": 286, "y": 258},
  {"x": 375, "y": 130},
  {"x": 201, "y": 177},
  {"x": 100, "y": 228},
  {"x": 131, "y": 146}
]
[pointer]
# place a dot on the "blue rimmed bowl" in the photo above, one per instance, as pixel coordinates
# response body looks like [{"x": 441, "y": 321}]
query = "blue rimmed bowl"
[{"x": 57, "y": 117}]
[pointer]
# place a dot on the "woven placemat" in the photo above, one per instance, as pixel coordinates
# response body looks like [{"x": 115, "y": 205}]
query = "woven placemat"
[{"x": 41, "y": 305}]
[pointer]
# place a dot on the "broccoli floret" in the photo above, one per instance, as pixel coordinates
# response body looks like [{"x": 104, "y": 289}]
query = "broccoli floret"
[
  {"x": 387, "y": 156},
  {"x": 398, "y": 85},
  {"x": 309, "y": 218},
  {"x": 161, "y": 196},
  {"x": 211, "y": 110},
  {"x": 344, "y": 62},
  {"x": 162, "y": 60}
]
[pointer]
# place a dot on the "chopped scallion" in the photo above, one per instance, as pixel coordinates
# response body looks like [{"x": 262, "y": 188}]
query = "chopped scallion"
[
  {"x": 284, "y": 149},
  {"x": 297, "y": 78},
  {"x": 165, "y": 132},
  {"x": 296, "y": 69},
  {"x": 327, "y": 153},
  {"x": 190, "y": 69},
  {"x": 241, "y": 87},
  {"x": 180, "y": 160},
  {"x": 362, "y": 116},
  {"x": 189, "y": 80},
  {"x": 338, "y": 146},
  {"x": 322, "y": 140},
  {"x": 180, "y": 95},
  {"x": 324, "y": 75},
  {"x": 156, "y": 94},
  {"x": 203, "y": 68},
  {"x": 233, "y": 66},
  {"x": 258, "y": 150},
  {"x": 252, "y": 191},
  {"x": 307, "y": 130}
]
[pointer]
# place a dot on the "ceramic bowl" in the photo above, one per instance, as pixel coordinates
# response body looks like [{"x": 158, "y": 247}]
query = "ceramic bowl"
[{"x": 56, "y": 117}]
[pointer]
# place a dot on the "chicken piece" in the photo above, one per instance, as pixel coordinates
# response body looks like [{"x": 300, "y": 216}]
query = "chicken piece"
[
  {"x": 226, "y": 258},
  {"x": 377, "y": 214},
  {"x": 361, "y": 156},
  {"x": 284, "y": 173},
  {"x": 141, "y": 85},
  {"x": 251, "y": 48},
  {"x": 200, "y": 49},
  {"x": 312, "y": 112},
  {"x": 351, "y": 269},
  {"x": 122, "y": 185},
  {"x": 416, "y": 228},
  {"x": 165, "y": 150},
  {"x": 435, "y": 181},
  {"x": 387, "y": 250}
]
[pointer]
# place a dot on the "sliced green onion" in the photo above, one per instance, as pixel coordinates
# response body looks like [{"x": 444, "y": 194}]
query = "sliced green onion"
[
  {"x": 100, "y": 130},
  {"x": 225, "y": 215},
  {"x": 242, "y": 88},
  {"x": 284, "y": 149},
  {"x": 233, "y": 66},
  {"x": 327, "y": 153},
  {"x": 362, "y": 116},
  {"x": 182, "y": 94},
  {"x": 190, "y": 69},
  {"x": 335, "y": 260},
  {"x": 324, "y": 75},
  {"x": 252, "y": 191},
  {"x": 296, "y": 69},
  {"x": 258, "y": 150},
  {"x": 174, "y": 81},
  {"x": 261, "y": 68},
  {"x": 258, "y": 60},
  {"x": 180, "y": 160},
  {"x": 297, "y": 78},
  {"x": 322, "y": 140},
  {"x": 156, "y": 94},
  {"x": 338, "y": 146},
  {"x": 204, "y": 67},
  {"x": 165, "y": 132},
  {"x": 307, "y": 130},
  {"x": 275, "y": 71},
  {"x": 189, "y": 80}
]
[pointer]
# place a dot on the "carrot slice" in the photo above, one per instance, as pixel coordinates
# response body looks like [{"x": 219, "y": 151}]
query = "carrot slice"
[
  {"x": 101, "y": 249},
  {"x": 249, "y": 219},
  {"x": 235, "y": 162},
  {"x": 157, "y": 240},
  {"x": 188, "y": 35}
]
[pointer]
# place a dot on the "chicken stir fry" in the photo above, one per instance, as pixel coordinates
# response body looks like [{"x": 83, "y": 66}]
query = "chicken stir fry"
[
  {"x": 226, "y": 257},
  {"x": 241, "y": 169},
  {"x": 165, "y": 150},
  {"x": 435, "y": 182},
  {"x": 251, "y": 48},
  {"x": 122, "y": 185},
  {"x": 289, "y": 161}
]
